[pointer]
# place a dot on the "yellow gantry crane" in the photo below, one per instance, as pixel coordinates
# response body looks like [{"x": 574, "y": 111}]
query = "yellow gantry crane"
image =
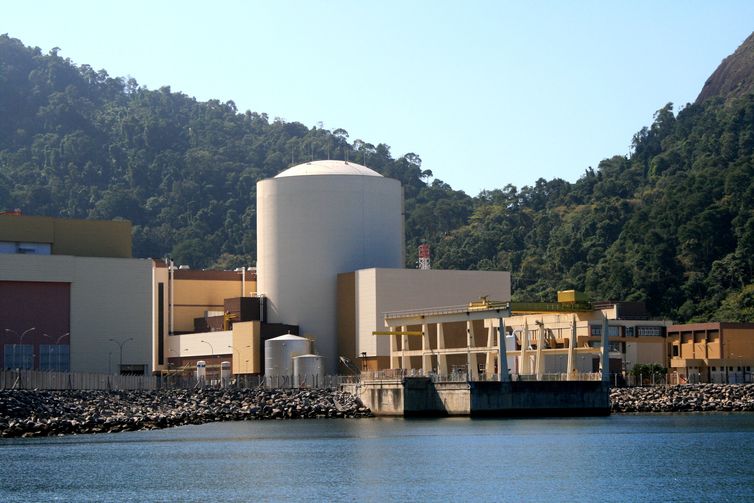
[{"x": 398, "y": 332}]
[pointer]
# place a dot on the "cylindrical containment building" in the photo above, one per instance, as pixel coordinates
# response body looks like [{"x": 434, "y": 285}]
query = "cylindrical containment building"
[
  {"x": 278, "y": 359},
  {"x": 309, "y": 371},
  {"x": 317, "y": 220}
]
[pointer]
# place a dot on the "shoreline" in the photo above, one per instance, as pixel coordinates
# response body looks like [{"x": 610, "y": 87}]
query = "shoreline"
[
  {"x": 683, "y": 398},
  {"x": 31, "y": 413},
  {"x": 40, "y": 413}
]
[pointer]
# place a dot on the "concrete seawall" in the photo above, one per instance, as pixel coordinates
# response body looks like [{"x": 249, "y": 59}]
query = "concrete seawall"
[{"x": 419, "y": 396}]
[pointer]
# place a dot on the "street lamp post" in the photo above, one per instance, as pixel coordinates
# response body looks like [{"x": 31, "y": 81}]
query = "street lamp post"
[
  {"x": 120, "y": 347},
  {"x": 211, "y": 350}
]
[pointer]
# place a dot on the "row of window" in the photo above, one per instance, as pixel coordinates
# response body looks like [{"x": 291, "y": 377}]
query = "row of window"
[
  {"x": 25, "y": 248},
  {"x": 54, "y": 357},
  {"x": 614, "y": 331}
]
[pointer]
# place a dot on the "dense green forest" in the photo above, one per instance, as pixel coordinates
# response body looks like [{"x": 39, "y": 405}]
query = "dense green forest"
[{"x": 671, "y": 224}]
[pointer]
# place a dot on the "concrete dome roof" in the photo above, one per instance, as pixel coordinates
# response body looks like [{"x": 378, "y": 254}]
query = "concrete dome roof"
[{"x": 328, "y": 168}]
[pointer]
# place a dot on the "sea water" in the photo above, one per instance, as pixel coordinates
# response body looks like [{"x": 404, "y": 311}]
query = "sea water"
[{"x": 678, "y": 457}]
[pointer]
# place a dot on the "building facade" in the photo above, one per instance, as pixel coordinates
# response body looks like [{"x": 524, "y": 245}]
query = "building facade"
[{"x": 711, "y": 352}]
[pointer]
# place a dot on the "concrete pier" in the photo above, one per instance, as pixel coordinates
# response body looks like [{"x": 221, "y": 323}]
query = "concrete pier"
[{"x": 420, "y": 397}]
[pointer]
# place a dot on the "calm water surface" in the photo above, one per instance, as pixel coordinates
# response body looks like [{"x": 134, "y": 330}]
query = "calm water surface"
[{"x": 619, "y": 458}]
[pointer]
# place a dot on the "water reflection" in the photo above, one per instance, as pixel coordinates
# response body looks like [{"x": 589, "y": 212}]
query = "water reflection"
[{"x": 618, "y": 458}]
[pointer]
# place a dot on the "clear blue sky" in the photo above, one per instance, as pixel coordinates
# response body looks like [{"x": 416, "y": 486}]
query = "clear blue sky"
[{"x": 487, "y": 93}]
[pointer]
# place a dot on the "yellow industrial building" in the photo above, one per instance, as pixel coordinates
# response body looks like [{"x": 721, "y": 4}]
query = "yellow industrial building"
[{"x": 711, "y": 352}]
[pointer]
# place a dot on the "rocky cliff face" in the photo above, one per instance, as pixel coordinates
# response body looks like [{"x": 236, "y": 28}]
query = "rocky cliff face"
[{"x": 735, "y": 75}]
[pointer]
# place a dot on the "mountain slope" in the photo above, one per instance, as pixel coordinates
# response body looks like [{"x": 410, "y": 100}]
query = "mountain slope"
[
  {"x": 735, "y": 75},
  {"x": 671, "y": 224}
]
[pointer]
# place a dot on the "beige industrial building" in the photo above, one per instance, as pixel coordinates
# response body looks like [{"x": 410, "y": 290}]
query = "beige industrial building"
[
  {"x": 365, "y": 295},
  {"x": 72, "y": 298}
]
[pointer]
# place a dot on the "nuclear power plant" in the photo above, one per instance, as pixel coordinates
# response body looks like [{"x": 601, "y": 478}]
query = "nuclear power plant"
[
  {"x": 330, "y": 295},
  {"x": 331, "y": 260}
]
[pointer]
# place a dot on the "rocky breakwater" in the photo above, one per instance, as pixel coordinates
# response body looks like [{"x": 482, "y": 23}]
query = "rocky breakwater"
[
  {"x": 684, "y": 398},
  {"x": 26, "y": 413}
]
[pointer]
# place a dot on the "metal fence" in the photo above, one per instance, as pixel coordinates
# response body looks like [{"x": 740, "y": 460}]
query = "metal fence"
[
  {"x": 35, "y": 379},
  {"x": 460, "y": 375},
  {"x": 307, "y": 381},
  {"x": 41, "y": 380}
]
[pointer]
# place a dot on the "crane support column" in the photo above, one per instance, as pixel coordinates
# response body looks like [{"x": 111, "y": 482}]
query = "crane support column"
[
  {"x": 605, "y": 357},
  {"x": 502, "y": 353},
  {"x": 442, "y": 358},
  {"x": 571, "y": 368},
  {"x": 426, "y": 350}
]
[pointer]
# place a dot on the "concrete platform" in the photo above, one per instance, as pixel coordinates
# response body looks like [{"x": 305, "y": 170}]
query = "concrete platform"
[{"x": 420, "y": 397}]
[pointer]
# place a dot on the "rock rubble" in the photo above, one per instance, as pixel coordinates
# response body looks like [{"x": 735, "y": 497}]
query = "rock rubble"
[
  {"x": 32, "y": 413},
  {"x": 684, "y": 398}
]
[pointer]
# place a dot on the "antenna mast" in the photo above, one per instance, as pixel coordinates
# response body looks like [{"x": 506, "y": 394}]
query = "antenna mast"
[{"x": 424, "y": 257}]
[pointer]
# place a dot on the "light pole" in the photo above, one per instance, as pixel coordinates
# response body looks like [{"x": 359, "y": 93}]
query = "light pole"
[
  {"x": 211, "y": 350},
  {"x": 120, "y": 346}
]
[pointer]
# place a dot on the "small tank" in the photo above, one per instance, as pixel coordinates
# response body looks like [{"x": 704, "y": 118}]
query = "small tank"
[
  {"x": 278, "y": 363},
  {"x": 201, "y": 370},
  {"x": 224, "y": 373},
  {"x": 309, "y": 371}
]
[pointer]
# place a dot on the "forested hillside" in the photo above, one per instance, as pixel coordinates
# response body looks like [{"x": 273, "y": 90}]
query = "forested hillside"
[{"x": 671, "y": 224}]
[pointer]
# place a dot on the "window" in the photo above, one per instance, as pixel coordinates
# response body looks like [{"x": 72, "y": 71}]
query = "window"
[
  {"x": 55, "y": 357},
  {"x": 18, "y": 356},
  {"x": 25, "y": 248},
  {"x": 611, "y": 331},
  {"x": 649, "y": 331},
  {"x": 675, "y": 350}
]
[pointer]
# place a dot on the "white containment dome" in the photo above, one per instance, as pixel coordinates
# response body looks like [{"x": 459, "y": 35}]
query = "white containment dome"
[
  {"x": 317, "y": 220},
  {"x": 309, "y": 371},
  {"x": 278, "y": 359}
]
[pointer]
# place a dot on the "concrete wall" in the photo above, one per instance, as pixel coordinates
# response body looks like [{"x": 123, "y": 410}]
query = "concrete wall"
[
  {"x": 200, "y": 291},
  {"x": 421, "y": 397},
  {"x": 247, "y": 347},
  {"x": 380, "y": 290},
  {"x": 83, "y": 238},
  {"x": 190, "y": 345},
  {"x": 561, "y": 398},
  {"x": 646, "y": 350},
  {"x": 110, "y": 298}
]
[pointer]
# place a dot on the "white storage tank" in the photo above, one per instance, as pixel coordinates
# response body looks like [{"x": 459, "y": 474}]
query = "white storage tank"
[
  {"x": 201, "y": 370},
  {"x": 309, "y": 371},
  {"x": 317, "y": 220},
  {"x": 225, "y": 373},
  {"x": 278, "y": 359}
]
